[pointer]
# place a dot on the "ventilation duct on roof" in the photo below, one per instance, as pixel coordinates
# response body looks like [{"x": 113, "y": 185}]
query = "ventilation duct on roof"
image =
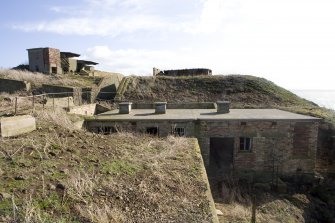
[
  {"x": 160, "y": 107},
  {"x": 222, "y": 107},
  {"x": 125, "y": 107}
]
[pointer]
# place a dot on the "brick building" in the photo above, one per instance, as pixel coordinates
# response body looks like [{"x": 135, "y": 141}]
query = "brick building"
[
  {"x": 252, "y": 139},
  {"x": 53, "y": 61},
  {"x": 45, "y": 60}
]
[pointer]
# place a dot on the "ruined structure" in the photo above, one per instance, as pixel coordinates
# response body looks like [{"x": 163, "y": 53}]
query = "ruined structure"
[
  {"x": 45, "y": 60},
  {"x": 52, "y": 61},
  {"x": 240, "y": 139},
  {"x": 182, "y": 72}
]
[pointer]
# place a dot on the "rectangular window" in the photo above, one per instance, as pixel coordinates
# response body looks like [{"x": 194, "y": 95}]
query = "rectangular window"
[
  {"x": 54, "y": 70},
  {"x": 106, "y": 130},
  {"x": 179, "y": 131},
  {"x": 152, "y": 131},
  {"x": 245, "y": 144}
]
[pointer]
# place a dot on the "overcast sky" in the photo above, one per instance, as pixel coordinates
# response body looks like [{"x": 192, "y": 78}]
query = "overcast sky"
[{"x": 290, "y": 42}]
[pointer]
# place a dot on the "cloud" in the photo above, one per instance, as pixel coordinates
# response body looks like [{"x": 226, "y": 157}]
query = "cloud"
[
  {"x": 129, "y": 61},
  {"x": 141, "y": 61},
  {"x": 110, "y": 26},
  {"x": 104, "y": 18}
]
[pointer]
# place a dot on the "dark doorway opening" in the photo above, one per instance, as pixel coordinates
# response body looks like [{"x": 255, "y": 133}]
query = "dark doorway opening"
[
  {"x": 221, "y": 156},
  {"x": 152, "y": 131},
  {"x": 54, "y": 70}
]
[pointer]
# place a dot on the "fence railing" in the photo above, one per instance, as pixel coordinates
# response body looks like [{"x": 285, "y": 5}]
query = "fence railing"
[{"x": 28, "y": 104}]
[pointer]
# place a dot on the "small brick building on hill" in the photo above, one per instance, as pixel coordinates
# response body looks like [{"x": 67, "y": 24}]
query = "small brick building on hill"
[{"x": 53, "y": 61}]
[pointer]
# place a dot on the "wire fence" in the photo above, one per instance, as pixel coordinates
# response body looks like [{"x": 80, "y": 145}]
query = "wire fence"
[{"x": 66, "y": 100}]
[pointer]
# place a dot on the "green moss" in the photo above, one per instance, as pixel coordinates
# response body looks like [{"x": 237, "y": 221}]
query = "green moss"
[
  {"x": 120, "y": 167},
  {"x": 6, "y": 207}
]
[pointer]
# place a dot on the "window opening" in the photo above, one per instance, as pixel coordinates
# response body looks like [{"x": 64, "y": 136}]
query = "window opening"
[{"x": 245, "y": 144}]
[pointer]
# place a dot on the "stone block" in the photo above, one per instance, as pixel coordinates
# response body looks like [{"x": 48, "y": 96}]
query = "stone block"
[{"x": 17, "y": 125}]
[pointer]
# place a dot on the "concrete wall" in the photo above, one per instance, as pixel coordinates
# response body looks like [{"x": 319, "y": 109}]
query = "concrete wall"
[
  {"x": 208, "y": 190},
  {"x": 11, "y": 86},
  {"x": 87, "y": 110},
  {"x": 17, "y": 125},
  {"x": 185, "y": 72},
  {"x": 36, "y": 60},
  {"x": 63, "y": 102},
  {"x": 164, "y": 127},
  {"x": 195, "y": 105},
  {"x": 74, "y": 92}
]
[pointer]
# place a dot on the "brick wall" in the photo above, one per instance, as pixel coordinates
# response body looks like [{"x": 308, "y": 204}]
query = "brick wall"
[{"x": 274, "y": 143}]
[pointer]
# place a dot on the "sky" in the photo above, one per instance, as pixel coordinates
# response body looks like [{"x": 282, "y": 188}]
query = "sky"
[{"x": 290, "y": 42}]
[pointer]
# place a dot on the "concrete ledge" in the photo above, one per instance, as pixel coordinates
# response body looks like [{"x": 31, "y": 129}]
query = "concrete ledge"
[
  {"x": 87, "y": 110},
  {"x": 11, "y": 86},
  {"x": 17, "y": 125},
  {"x": 205, "y": 179}
]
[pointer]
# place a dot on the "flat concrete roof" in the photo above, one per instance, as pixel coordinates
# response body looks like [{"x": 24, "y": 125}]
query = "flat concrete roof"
[{"x": 204, "y": 114}]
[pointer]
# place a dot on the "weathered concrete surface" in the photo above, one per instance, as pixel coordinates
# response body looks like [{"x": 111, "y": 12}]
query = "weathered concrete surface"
[
  {"x": 64, "y": 102},
  {"x": 17, "y": 125},
  {"x": 208, "y": 190},
  {"x": 63, "y": 91},
  {"x": 11, "y": 86},
  {"x": 206, "y": 114},
  {"x": 191, "y": 105},
  {"x": 87, "y": 110}
]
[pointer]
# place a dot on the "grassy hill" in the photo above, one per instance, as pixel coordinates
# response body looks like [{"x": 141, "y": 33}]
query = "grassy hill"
[{"x": 242, "y": 91}]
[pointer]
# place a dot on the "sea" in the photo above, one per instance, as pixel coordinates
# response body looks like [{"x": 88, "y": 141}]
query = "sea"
[{"x": 324, "y": 98}]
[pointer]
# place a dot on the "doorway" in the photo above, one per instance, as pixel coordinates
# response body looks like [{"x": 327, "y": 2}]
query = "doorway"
[
  {"x": 221, "y": 154},
  {"x": 54, "y": 70}
]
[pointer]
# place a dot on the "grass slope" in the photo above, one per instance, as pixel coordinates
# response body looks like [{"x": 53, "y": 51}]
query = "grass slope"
[
  {"x": 59, "y": 175},
  {"x": 242, "y": 91}
]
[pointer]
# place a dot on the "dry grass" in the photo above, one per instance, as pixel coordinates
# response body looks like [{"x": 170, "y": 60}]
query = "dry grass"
[
  {"x": 80, "y": 186},
  {"x": 102, "y": 213},
  {"x": 105, "y": 178},
  {"x": 37, "y": 79},
  {"x": 58, "y": 116}
]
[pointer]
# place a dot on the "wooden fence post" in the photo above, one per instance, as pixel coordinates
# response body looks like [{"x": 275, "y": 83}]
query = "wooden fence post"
[
  {"x": 53, "y": 102},
  {"x": 15, "y": 106},
  {"x": 253, "y": 214},
  {"x": 33, "y": 103},
  {"x": 43, "y": 100},
  {"x": 68, "y": 101}
]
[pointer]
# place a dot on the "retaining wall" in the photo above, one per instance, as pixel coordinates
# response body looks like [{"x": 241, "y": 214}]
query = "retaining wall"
[
  {"x": 196, "y": 105},
  {"x": 11, "y": 86},
  {"x": 75, "y": 92},
  {"x": 17, "y": 125}
]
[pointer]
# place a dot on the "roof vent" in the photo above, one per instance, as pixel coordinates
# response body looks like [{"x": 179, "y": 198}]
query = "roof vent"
[
  {"x": 125, "y": 107},
  {"x": 222, "y": 107},
  {"x": 160, "y": 107}
]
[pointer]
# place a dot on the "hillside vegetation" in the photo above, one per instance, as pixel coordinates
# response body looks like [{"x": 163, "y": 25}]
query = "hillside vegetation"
[
  {"x": 37, "y": 79},
  {"x": 242, "y": 91},
  {"x": 58, "y": 174}
]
